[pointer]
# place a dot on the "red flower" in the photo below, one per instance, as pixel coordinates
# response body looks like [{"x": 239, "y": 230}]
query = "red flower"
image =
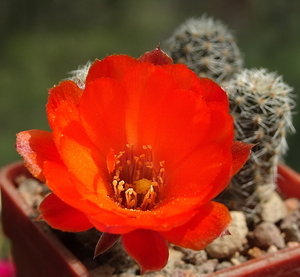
[{"x": 139, "y": 152}]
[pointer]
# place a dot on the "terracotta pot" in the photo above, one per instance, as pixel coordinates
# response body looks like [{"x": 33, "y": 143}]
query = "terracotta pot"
[
  {"x": 288, "y": 182},
  {"x": 37, "y": 252}
]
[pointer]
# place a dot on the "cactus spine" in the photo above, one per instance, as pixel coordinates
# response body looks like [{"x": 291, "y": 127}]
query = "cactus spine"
[
  {"x": 79, "y": 75},
  {"x": 260, "y": 103},
  {"x": 207, "y": 47}
]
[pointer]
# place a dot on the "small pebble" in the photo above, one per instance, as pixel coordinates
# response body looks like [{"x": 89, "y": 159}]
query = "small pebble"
[
  {"x": 188, "y": 273},
  {"x": 226, "y": 246},
  {"x": 209, "y": 266},
  {"x": 292, "y": 204},
  {"x": 32, "y": 192},
  {"x": 274, "y": 209},
  {"x": 290, "y": 226},
  {"x": 254, "y": 252},
  {"x": 235, "y": 261},
  {"x": 267, "y": 234},
  {"x": 291, "y": 218},
  {"x": 242, "y": 258},
  {"x": 292, "y": 244},
  {"x": 292, "y": 233},
  {"x": 175, "y": 257},
  {"x": 194, "y": 257},
  {"x": 223, "y": 265},
  {"x": 236, "y": 254},
  {"x": 272, "y": 249}
]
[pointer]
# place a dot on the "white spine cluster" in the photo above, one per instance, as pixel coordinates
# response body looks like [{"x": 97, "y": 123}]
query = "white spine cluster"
[
  {"x": 261, "y": 104},
  {"x": 79, "y": 75},
  {"x": 207, "y": 47}
]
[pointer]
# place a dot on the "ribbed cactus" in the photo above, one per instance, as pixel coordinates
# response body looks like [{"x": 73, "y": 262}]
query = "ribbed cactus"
[
  {"x": 260, "y": 103},
  {"x": 207, "y": 47}
]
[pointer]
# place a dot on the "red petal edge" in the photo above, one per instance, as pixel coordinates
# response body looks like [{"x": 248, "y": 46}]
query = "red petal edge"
[
  {"x": 63, "y": 217},
  {"x": 148, "y": 248},
  {"x": 156, "y": 57},
  {"x": 240, "y": 154},
  {"x": 208, "y": 224},
  {"x": 36, "y": 147}
]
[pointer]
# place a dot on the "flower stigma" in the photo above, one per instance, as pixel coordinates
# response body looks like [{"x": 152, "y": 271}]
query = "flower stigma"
[{"x": 136, "y": 182}]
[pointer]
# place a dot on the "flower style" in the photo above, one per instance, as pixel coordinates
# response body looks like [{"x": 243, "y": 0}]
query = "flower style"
[{"x": 137, "y": 152}]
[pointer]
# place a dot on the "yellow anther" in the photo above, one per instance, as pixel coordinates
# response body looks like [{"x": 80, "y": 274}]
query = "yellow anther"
[{"x": 136, "y": 181}]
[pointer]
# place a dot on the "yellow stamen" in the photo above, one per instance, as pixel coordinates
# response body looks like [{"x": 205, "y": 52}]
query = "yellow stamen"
[
  {"x": 137, "y": 180},
  {"x": 131, "y": 199}
]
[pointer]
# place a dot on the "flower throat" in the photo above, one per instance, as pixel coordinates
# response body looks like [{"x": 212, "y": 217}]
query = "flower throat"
[{"x": 136, "y": 184}]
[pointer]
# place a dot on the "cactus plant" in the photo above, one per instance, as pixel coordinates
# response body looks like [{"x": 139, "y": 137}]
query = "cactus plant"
[
  {"x": 207, "y": 47},
  {"x": 260, "y": 103}
]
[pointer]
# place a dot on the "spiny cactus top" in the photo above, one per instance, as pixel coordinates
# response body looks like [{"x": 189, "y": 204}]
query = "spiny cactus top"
[
  {"x": 261, "y": 104},
  {"x": 208, "y": 48}
]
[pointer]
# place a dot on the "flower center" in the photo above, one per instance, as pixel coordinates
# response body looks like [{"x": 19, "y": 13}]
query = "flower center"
[{"x": 136, "y": 183}]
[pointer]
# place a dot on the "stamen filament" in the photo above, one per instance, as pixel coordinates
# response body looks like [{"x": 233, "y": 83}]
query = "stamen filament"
[
  {"x": 136, "y": 183},
  {"x": 131, "y": 198},
  {"x": 149, "y": 199}
]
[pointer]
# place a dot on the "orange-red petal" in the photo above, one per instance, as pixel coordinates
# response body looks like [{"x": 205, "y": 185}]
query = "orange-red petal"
[
  {"x": 102, "y": 111},
  {"x": 61, "y": 216},
  {"x": 187, "y": 119},
  {"x": 62, "y": 107},
  {"x": 165, "y": 120},
  {"x": 165, "y": 216},
  {"x": 148, "y": 248},
  {"x": 240, "y": 154},
  {"x": 81, "y": 156},
  {"x": 36, "y": 147},
  {"x": 195, "y": 176},
  {"x": 221, "y": 129},
  {"x": 84, "y": 160},
  {"x": 112, "y": 67},
  {"x": 67, "y": 93},
  {"x": 187, "y": 79},
  {"x": 106, "y": 215},
  {"x": 209, "y": 223},
  {"x": 140, "y": 85},
  {"x": 213, "y": 92},
  {"x": 74, "y": 193}
]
